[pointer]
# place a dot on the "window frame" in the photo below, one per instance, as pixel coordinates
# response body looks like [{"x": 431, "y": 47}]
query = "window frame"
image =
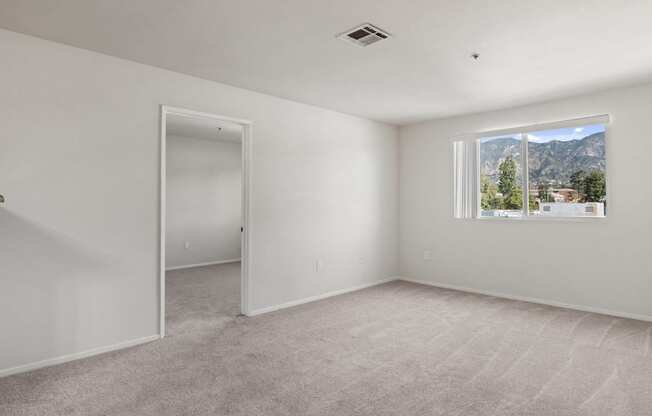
[{"x": 522, "y": 132}]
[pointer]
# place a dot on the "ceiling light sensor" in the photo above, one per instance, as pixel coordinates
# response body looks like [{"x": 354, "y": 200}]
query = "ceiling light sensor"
[
  {"x": 475, "y": 56},
  {"x": 364, "y": 35}
]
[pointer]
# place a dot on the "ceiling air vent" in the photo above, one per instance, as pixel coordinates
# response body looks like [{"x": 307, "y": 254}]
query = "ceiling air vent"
[{"x": 364, "y": 35}]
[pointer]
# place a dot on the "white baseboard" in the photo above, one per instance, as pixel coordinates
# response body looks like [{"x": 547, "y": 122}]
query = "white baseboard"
[
  {"x": 96, "y": 351},
  {"x": 547, "y": 302},
  {"x": 209, "y": 263},
  {"x": 317, "y": 297},
  {"x": 76, "y": 356}
]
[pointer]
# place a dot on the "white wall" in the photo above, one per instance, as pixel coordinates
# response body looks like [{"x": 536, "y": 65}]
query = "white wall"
[
  {"x": 203, "y": 201},
  {"x": 79, "y": 165},
  {"x": 602, "y": 264}
]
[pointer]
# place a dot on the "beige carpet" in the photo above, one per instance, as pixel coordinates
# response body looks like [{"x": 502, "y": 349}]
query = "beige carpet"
[
  {"x": 395, "y": 349},
  {"x": 201, "y": 297}
]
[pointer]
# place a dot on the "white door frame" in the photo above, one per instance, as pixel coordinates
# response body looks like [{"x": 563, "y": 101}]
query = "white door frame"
[{"x": 247, "y": 130}]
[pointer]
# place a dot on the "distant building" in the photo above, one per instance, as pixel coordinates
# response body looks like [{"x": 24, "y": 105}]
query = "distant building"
[
  {"x": 566, "y": 209},
  {"x": 564, "y": 195},
  {"x": 505, "y": 213}
]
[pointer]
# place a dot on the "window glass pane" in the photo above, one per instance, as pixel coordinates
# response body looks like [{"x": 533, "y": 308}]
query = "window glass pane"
[
  {"x": 566, "y": 172},
  {"x": 501, "y": 176}
]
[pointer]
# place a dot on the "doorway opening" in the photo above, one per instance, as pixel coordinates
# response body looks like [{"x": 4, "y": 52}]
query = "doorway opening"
[{"x": 204, "y": 213}]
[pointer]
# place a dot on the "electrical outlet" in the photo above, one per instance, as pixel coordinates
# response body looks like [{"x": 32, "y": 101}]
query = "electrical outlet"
[
  {"x": 361, "y": 260},
  {"x": 427, "y": 254},
  {"x": 318, "y": 266},
  {"x": 186, "y": 245}
]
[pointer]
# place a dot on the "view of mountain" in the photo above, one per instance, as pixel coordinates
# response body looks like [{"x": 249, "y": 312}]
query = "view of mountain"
[{"x": 551, "y": 162}]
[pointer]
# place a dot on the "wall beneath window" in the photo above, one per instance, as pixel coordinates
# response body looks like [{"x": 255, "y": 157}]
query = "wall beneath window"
[
  {"x": 203, "y": 205},
  {"x": 602, "y": 264},
  {"x": 79, "y": 166}
]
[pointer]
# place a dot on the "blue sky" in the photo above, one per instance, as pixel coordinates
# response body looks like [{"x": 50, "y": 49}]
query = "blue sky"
[
  {"x": 562, "y": 135},
  {"x": 565, "y": 135}
]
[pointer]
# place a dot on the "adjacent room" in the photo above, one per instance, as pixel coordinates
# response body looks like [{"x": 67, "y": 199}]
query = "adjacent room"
[
  {"x": 203, "y": 220},
  {"x": 341, "y": 208}
]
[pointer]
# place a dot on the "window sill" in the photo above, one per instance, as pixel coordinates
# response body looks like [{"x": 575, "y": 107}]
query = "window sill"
[{"x": 543, "y": 219}]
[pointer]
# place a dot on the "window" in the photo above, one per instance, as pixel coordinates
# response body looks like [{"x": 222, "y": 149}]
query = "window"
[
  {"x": 566, "y": 171},
  {"x": 558, "y": 170},
  {"x": 501, "y": 176}
]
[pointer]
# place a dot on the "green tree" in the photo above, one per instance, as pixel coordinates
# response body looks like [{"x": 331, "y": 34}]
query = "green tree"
[
  {"x": 595, "y": 186},
  {"x": 488, "y": 192},
  {"x": 508, "y": 185},
  {"x": 513, "y": 200},
  {"x": 577, "y": 183},
  {"x": 544, "y": 193},
  {"x": 533, "y": 204},
  {"x": 507, "y": 176}
]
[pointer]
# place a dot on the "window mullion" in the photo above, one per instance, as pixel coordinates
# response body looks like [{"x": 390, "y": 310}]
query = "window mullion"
[
  {"x": 477, "y": 198},
  {"x": 525, "y": 182}
]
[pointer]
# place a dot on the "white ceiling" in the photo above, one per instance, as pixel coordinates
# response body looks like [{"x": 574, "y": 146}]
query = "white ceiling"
[
  {"x": 530, "y": 50},
  {"x": 200, "y": 128}
]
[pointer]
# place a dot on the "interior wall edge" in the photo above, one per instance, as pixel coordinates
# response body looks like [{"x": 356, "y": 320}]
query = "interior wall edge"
[
  {"x": 529, "y": 299},
  {"x": 23, "y": 368},
  {"x": 209, "y": 263}
]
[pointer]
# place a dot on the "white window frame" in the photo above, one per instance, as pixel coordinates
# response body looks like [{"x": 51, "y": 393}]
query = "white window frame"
[{"x": 472, "y": 146}]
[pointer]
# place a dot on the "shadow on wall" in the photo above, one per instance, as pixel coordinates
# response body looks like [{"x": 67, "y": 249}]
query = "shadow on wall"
[{"x": 42, "y": 285}]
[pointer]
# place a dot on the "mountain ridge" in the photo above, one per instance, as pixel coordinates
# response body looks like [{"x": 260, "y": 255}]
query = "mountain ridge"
[{"x": 551, "y": 162}]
